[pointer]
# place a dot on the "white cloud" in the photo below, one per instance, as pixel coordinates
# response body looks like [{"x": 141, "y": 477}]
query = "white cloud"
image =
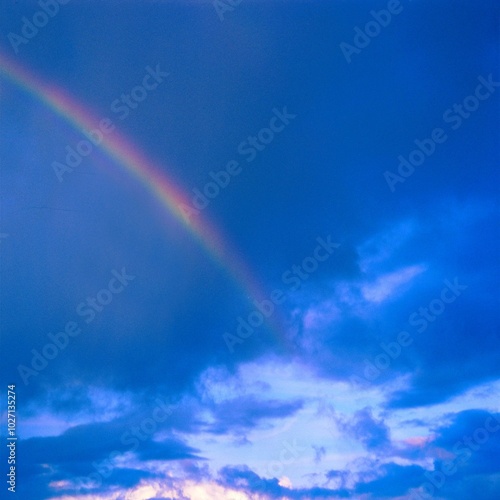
[{"x": 386, "y": 285}]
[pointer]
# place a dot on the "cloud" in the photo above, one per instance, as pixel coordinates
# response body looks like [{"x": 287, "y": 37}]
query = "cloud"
[
  {"x": 319, "y": 453},
  {"x": 242, "y": 478},
  {"x": 473, "y": 437},
  {"x": 167, "y": 449},
  {"x": 394, "y": 481},
  {"x": 84, "y": 449},
  {"x": 388, "y": 284},
  {"x": 373, "y": 478},
  {"x": 342, "y": 327},
  {"x": 247, "y": 412},
  {"x": 372, "y": 433}
]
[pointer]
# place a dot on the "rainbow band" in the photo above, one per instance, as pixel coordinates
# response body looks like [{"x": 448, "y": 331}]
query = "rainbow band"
[{"x": 151, "y": 177}]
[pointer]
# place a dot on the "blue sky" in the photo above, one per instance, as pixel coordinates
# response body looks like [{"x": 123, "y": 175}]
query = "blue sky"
[{"x": 376, "y": 375}]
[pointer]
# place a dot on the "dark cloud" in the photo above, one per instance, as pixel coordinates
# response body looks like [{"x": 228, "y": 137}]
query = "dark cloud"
[
  {"x": 244, "y": 479},
  {"x": 394, "y": 481},
  {"x": 170, "y": 449},
  {"x": 319, "y": 453},
  {"x": 464, "y": 334},
  {"x": 248, "y": 412},
  {"x": 83, "y": 454},
  {"x": 473, "y": 454},
  {"x": 473, "y": 439},
  {"x": 371, "y": 432}
]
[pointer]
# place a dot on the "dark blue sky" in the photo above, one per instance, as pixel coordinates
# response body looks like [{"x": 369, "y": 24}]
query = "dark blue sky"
[{"x": 334, "y": 402}]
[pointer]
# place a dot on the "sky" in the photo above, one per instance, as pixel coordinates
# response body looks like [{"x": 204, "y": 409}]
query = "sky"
[{"x": 249, "y": 249}]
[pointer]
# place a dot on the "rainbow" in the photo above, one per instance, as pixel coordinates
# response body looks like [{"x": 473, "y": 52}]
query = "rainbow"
[{"x": 152, "y": 178}]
